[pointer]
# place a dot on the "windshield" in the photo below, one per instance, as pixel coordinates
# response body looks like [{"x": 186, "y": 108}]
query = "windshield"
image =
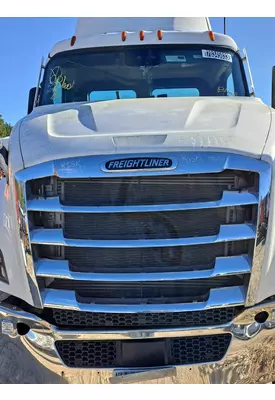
[{"x": 141, "y": 72}]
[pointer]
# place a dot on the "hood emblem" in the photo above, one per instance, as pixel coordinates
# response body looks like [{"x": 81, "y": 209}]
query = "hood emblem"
[{"x": 139, "y": 163}]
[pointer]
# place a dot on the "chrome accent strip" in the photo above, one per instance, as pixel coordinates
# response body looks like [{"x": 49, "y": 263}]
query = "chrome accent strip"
[
  {"x": 52, "y": 204},
  {"x": 66, "y": 299},
  {"x": 227, "y": 233},
  {"x": 22, "y": 220},
  {"x": 238, "y": 325},
  {"x": 224, "y": 266},
  {"x": 261, "y": 233},
  {"x": 191, "y": 162}
]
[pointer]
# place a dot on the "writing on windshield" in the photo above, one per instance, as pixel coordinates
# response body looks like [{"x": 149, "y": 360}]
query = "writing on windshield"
[{"x": 142, "y": 72}]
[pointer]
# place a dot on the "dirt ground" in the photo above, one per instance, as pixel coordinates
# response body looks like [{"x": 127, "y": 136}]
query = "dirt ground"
[{"x": 18, "y": 366}]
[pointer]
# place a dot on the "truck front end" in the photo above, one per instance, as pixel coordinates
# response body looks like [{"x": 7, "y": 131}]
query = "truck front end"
[{"x": 137, "y": 239}]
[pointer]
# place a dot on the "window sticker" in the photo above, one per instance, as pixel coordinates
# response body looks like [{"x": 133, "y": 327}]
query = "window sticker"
[{"x": 217, "y": 55}]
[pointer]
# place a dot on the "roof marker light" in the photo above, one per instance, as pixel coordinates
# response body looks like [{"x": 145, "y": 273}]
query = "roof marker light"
[
  {"x": 73, "y": 40},
  {"x": 159, "y": 34},
  {"x": 141, "y": 35},
  {"x": 211, "y": 35},
  {"x": 123, "y": 36}
]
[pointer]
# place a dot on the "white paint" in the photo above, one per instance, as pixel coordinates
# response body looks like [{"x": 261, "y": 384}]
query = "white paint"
[
  {"x": 237, "y": 125},
  {"x": 169, "y": 37},
  {"x": 11, "y": 246},
  {"x": 267, "y": 283},
  {"x": 5, "y": 142}
]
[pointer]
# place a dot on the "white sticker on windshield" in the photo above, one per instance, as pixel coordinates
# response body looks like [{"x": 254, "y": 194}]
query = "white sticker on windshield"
[{"x": 217, "y": 55}]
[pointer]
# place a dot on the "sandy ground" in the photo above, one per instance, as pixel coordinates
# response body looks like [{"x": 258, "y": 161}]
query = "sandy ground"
[{"x": 18, "y": 366}]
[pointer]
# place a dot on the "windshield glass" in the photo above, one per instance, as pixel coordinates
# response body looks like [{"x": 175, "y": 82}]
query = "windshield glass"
[{"x": 142, "y": 71}]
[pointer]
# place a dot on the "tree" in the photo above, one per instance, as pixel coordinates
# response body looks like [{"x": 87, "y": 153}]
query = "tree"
[{"x": 5, "y": 128}]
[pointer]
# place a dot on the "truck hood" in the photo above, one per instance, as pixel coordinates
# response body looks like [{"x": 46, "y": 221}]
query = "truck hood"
[{"x": 237, "y": 125}]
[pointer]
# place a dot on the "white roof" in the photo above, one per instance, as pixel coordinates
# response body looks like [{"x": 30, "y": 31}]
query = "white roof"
[
  {"x": 105, "y": 32},
  {"x": 96, "y": 26}
]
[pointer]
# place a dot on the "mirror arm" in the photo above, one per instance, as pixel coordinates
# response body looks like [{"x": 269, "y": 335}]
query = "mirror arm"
[{"x": 38, "y": 83}]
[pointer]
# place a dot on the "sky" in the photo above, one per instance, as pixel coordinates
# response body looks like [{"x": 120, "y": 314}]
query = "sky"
[{"x": 25, "y": 40}]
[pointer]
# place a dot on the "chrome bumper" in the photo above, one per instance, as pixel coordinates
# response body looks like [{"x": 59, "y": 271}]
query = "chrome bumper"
[{"x": 250, "y": 358}]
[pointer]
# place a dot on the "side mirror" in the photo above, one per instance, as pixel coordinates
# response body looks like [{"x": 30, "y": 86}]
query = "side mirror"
[
  {"x": 4, "y": 155},
  {"x": 31, "y": 99},
  {"x": 273, "y": 88}
]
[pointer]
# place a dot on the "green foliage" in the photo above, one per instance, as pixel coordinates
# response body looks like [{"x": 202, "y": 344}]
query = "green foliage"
[{"x": 5, "y": 128}]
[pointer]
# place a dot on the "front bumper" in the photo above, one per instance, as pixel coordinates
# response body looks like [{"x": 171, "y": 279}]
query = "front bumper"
[{"x": 249, "y": 359}]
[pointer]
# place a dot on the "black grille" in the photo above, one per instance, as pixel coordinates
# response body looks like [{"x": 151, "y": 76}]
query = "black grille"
[
  {"x": 199, "y": 349},
  {"x": 146, "y": 292},
  {"x": 143, "y": 353},
  {"x": 87, "y": 353},
  {"x": 156, "y": 259},
  {"x": 156, "y": 225},
  {"x": 78, "y": 319},
  {"x": 148, "y": 190}
]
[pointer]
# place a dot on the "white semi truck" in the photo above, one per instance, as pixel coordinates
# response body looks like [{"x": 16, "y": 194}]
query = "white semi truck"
[{"x": 137, "y": 238}]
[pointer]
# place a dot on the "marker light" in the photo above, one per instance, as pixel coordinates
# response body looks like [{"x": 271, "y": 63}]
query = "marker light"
[
  {"x": 211, "y": 35},
  {"x": 73, "y": 39},
  {"x": 123, "y": 36}
]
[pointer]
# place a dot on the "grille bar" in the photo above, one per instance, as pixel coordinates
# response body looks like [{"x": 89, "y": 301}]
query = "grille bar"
[
  {"x": 224, "y": 266},
  {"x": 52, "y": 204},
  {"x": 145, "y": 259},
  {"x": 227, "y": 233},
  {"x": 222, "y": 297}
]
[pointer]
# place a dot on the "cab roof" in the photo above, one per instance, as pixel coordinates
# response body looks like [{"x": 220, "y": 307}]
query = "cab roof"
[{"x": 107, "y": 32}]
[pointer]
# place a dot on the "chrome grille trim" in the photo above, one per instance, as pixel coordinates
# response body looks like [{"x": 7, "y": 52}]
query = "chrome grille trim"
[
  {"x": 224, "y": 266},
  {"x": 66, "y": 299},
  {"x": 228, "y": 199},
  {"x": 227, "y": 233},
  {"x": 188, "y": 163}
]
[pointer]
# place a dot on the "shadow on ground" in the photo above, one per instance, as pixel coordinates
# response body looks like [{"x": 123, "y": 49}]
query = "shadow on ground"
[{"x": 17, "y": 365}]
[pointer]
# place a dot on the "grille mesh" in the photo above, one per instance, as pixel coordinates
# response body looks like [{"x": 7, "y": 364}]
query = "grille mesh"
[
  {"x": 180, "y": 351},
  {"x": 78, "y": 319},
  {"x": 156, "y": 225},
  {"x": 146, "y": 292},
  {"x": 146, "y": 190},
  {"x": 161, "y": 225},
  {"x": 161, "y": 259},
  {"x": 199, "y": 349},
  {"x": 87, "y": 353}
]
